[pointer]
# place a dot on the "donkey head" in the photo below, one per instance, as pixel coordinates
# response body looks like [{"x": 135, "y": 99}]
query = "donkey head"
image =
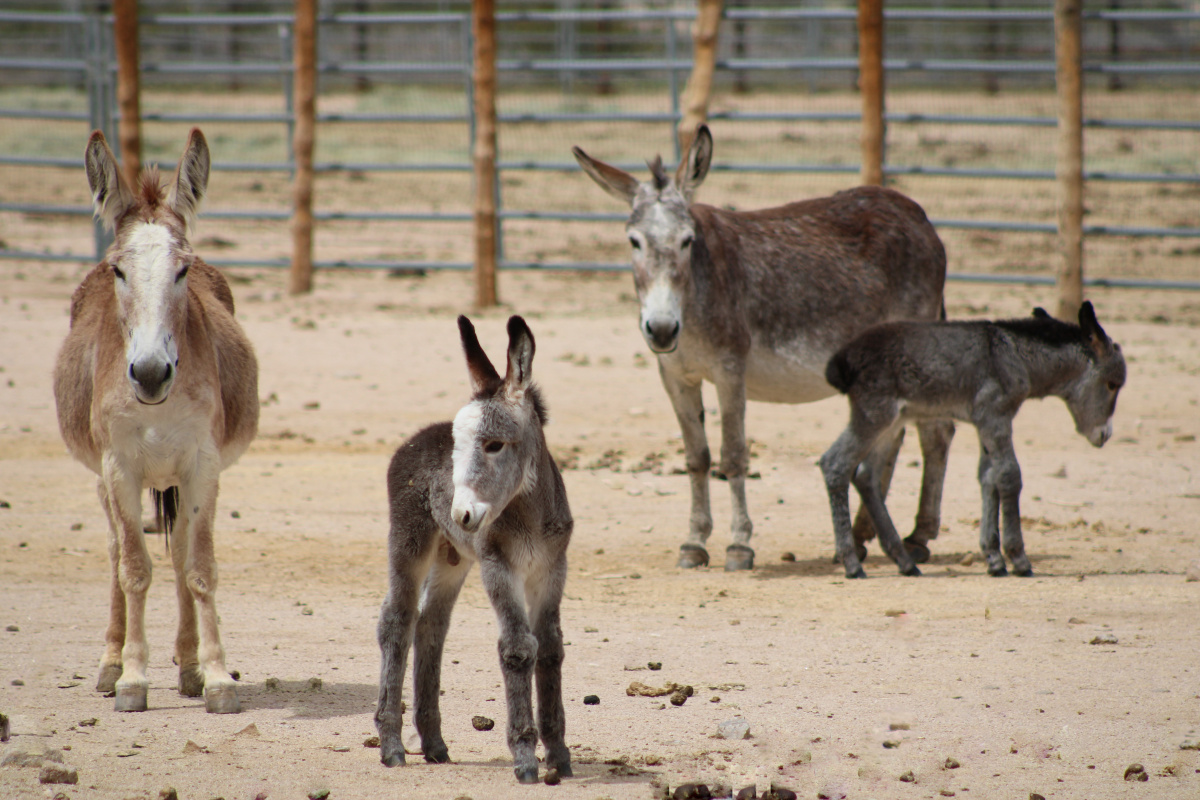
[
  {"x": 1093, "y": 397},
  {"x": 498, "y": 435},
  {"x": 661, "y": 231},
  {"x": 150, "y": 257}
]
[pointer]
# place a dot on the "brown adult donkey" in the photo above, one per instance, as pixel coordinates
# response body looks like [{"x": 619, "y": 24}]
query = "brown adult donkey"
[
  {"x": 757, "y": 301},
  {"x": 481, "y": 488},
  {"x": 157, "y": 388}
]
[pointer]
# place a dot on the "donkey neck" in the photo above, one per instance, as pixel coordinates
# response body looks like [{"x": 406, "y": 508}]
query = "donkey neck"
[{"x": 1052, "y": 368}]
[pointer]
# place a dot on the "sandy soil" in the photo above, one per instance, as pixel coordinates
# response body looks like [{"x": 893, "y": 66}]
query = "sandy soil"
[{"x": 846, "y": 685}]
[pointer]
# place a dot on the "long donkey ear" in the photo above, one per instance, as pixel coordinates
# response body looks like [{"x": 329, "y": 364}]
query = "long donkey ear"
[
  {"x": 191, "y": 179},
  {"x": 1097, "y": 338},
  {"x": 520, "y": 355},
  {"x": 483, "y": 375},
  {"x": 617, "y": 182},
  {"x": 693, "y": 169},
  {"x": 111, "y": 195},
  {"x": 1041, "y": 313}
]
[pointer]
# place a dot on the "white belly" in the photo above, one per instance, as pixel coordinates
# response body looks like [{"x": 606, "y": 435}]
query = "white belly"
[{"x": 785, "y": 378}]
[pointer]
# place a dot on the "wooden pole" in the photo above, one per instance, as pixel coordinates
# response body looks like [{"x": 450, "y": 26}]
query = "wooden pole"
[
  {"x": 870, "y": 86},
  {"x": 698, "y": 91},
  {"x": 129, "y": 127},
  {"x": 304, "y": 89},
  {"x": 483, "y": 26},
  {"x": 1068, "y": 50}
]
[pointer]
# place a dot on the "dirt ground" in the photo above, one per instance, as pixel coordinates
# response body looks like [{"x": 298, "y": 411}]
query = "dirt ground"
[{"x": 1053, "y": 685}]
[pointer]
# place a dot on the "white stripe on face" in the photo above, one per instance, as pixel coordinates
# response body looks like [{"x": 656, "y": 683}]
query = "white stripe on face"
[
  {"x": 466, "y": 508},
  {"x": 150, "y": 280}
]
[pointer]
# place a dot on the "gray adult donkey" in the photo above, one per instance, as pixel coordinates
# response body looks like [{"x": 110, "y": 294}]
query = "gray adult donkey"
[
  {"x": 977, "y": 372},
  {"x": 482, "y": 488},
  {"x": 757, "y": 301}
]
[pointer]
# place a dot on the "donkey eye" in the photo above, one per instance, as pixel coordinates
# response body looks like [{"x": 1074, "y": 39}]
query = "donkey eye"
[
  {"x": 182, "y": 274},
  {"x": 117, "y": 271},
  {"x": 1113, "y": 386},
  {"x": 635, "y": 243},
  {"x": 493, "y": 446},
  {"x": 686, "y": 243}
]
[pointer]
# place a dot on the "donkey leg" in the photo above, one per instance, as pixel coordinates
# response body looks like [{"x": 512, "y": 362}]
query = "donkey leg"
[
  {"x": 197, "y": 507},
  {"x": 518, "y": 651},
  {"x": 866, "y": 481},
  {"x": 989, "y": 517},
  {"x": 936, "y": 436},
  {"x": 114, "y": 636},
  {"x": 397, "y": 623},
  {"x": 187, "y": 636},
  {"x": 735, "y": 463},
  {"x": 544, "y": 593},
  {"x": 837, "y": 465},
  {"x": 433, "y": 621},
  {"x": 883, "y": 460},
  {"x": 1008, "y": 481},
  {"x": 133, "y": 574},
  {"x": 687, "y": 401}
]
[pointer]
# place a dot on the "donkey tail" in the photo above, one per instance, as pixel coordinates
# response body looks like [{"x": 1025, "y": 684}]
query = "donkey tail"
[
  {"x": 840, "y": 373},
  {"x": 166, "y": 509}
]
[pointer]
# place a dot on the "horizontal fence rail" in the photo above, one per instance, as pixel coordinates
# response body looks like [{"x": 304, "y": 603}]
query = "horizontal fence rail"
[{"x": 97, "y": 68}]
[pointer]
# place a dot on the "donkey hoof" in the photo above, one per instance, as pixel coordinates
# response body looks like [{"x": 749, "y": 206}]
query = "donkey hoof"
[
  {"x": 917, "y": 549},
  {"x": 998, "y": 572},
  {"x": 691, "y": 556},
  {"x": 911, "y": 572},
  {"x": 437, "y": 754},
  {"x": 191, "y": 681},
  {"x": 393, "y": 758},
  {"x": 1026, "y": 572},
  {"x": 109, "y": 675},
  {"x": 738, "y": 557},
  {"x": 222, "y": 700},
  {"x": 858, "y": 573},
  {"x": 527, "y": 774},
  {"x": 130, "y": 698}
]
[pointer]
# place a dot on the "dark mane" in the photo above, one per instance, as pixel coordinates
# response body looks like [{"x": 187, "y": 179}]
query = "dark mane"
[
  {"x": 661, "y": 178},
  {"x": 150, "y": 188},
  {"x": 1045, "y": 328},
  {"x": 534, "y": 393}
]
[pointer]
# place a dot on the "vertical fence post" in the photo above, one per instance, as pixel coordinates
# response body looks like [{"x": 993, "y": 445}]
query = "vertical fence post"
[
  {"x": 698, "y": 90},
  {"x": 305, "y": 83},
  {"x": 98, "y": 48},
  {"x": 483, "y": 26},
  {"x": 870, "y": 85},
  {"x": 286, "y": 49},
  {"x": 1068, "y": 27},
  {"x": 129, "y": 123}
]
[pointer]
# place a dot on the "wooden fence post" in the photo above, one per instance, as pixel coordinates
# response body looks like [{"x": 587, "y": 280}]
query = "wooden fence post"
[
  {"x": 1069, "y": 168},
  {"x": 483, "y": 26},
  {"x": 698, "y": 91},
  {"x": 305, "y": 106},
  {"x": 129, "y": 127},
  {"x": 870, "y": 86}
]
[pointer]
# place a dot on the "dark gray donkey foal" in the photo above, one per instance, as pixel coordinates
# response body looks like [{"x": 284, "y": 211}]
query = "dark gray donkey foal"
[
  {"x": 977, "y": 372},
  {"x": 482, "y": 488}
]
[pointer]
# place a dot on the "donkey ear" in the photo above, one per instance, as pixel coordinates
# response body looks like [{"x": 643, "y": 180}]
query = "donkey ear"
[
  {"x": 111, "y": 195},
  {"x": 1097, "y": 338},
  {"x": 1041, "y": 313},
  {"x": 520, "y": 354},
  {"x": 483, "y": 375},
  {"x": 191, "y": 179},
  {"x": 693, "y": 169},
  {"x": 617, "y": 182}
]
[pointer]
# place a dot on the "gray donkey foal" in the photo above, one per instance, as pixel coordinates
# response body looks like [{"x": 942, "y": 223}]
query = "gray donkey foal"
[
  {"x": 482, "y": 488},
  {"x": 977, "y": 372}
]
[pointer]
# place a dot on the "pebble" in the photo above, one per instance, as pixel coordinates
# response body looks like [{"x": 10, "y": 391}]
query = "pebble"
[
  {"x": 478, "y": 722},
  {"x": 168, "y": 793},
  {"x": 787, "y": 556},
  {"x": 891, "y": 744},
  {"x": 1193, "y": 571},
  {"x": 777, "y": 792},
  {"x": 679, "y": 697},
  {"x": 1136, "y": 772},
  {"x": 12, "y": 629},
  {"x": 908, "y": 777},
  {"x": 1104, "y": 638},
  {"x": 552, "y": 777},
  {"x": 18, "y": 682},
  {"x": 24, "y": 758},
  {"x": 692, "y": 791},
  {"x": 747, "y": 793},
  {"x": 1036, "y": 796},
  {"x": 967, "y": 560},
  {"x": 654, "y": 666},
  {"x": 315, "y": 684},
  {"x": 899, "y": 726},
  {"x": 736, "y": 728},
  {"x": 271, "y": 684},
  {"x": 4, "y": 728},
  {"x": 951, "y": 763},
  {"x": 591, "y": 700},
  {"x": 58, "y": 773},
  {"x": 318, "y": 794}
]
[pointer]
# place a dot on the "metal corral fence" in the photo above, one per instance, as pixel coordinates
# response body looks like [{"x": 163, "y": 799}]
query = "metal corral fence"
[{"x": 579, "y": 51}]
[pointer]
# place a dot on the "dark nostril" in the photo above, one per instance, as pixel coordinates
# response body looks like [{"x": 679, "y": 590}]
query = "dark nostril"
[
  {"x": 466, "y": 518},
  {"x": 132, "y": 374},
  {"x": 167, "y": 372}
]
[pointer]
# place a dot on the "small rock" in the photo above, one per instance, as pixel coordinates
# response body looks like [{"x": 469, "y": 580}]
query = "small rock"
[
  {"x": 591, "y": 700},
  {"x": 271, "y": 684},
  {"x": 899, "y": 726},
  {"x": 5, "y": 732},
  {"x": 371, "y": 741},
  {"x": 777, "y": 792},
  {"x": 654, "y": 666},
  {"x": 480, "y": 724},
  {"x": 747, "y": 793},
  {"x": 679, "y": 697},
  {"x": 736, "y": 728},
  {"x": 692, "y": 791},
  {"x": 315, "y": 684},
  {"x": 1076, "y": 621},
  {"x": 192, "y": 747},
  {"x": 787, "y": 555},
  {"x": 5, "y": 504},
  {"x": 168, "y": 793},
  {"x": 894, "y": 612},
  {"x": 1036, "y": 796},
  {"x": 90, "y": 722},
  {"x": 23, "y": 758},
  {"x": 951, "y": 763},
  {"x": 249, "y": 730},
  {"x": 1104, "y": 638},
  {"x": 76, "y": 526},
  {"x": 908, "y": 777},
  {"x": 946, "y": 793},
  {"x": 306, "y": 611},
  {"x": 1136, "y": 772},
  {"x": 891, "y": 744},
  {"x": 318, "y": 794},
  {"x": 18, "y": 682},
  {"x": 967, "y": 560},
  {"x": 1193, "y": 571},
  {"x": 1192, "y": 742},
  {"x": 12, "y": 629},
  {"x": 58, "y": 773},
  {"x": 552, "y": 778},
  {"x": 235, "y": 514}
]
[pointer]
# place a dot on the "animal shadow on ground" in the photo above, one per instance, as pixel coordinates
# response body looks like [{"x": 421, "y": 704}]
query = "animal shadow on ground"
[
  {"x": 824, "y": 566},
  {"x": 327, "y": 701}
]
